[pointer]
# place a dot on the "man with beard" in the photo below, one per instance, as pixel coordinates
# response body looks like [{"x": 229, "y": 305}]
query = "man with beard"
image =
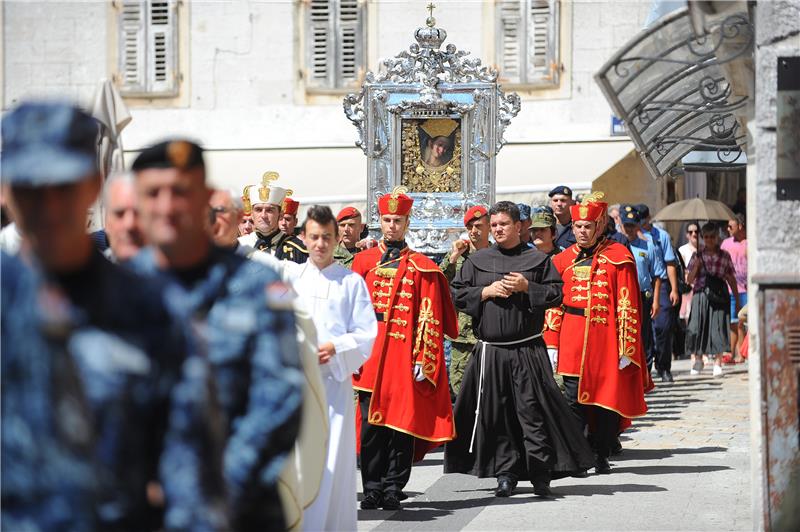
[
  {"x": 600, "y": 353},
  {"x": 241, "y": 321},
  {"x": 476, "y": 220},
  {"x": 402, "y": 387},
  {"x": 512, "y": 420}
]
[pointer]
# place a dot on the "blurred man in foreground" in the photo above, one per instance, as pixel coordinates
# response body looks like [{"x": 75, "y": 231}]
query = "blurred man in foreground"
[
  {"x": 139, "y": 405},
  {"x": 240, "y": 316}
]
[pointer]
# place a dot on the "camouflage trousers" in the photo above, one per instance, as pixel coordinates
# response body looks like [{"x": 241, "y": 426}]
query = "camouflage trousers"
[{"x": 460, "y": 354}]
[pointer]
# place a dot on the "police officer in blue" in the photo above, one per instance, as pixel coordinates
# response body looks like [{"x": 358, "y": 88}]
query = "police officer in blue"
[
  {"x": 114, "y": 360},
  {"x": 649, "y": 269},
  {"x": 525, "y": 224},
  {"x": 560, "y": 202},
  {"x": 242, "y": 321},
  {"x": 664, "y": 323}
]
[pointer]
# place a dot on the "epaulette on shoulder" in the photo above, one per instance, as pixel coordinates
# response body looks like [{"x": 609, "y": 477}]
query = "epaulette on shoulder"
[{"x": 422, "y": 263}]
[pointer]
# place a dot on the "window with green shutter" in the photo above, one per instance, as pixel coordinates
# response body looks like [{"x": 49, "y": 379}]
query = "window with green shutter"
[
  {"x": 148, "y": 47},
  {"x": 335, "y": 45},
  {"x": 527, "y": 43}
]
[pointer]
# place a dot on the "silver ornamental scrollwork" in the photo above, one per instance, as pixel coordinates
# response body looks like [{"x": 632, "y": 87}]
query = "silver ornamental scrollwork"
[
  {"x": 354, "y": 111},
  {"x": 508, "y": 107},
  {"x": 431, "y": 81}
]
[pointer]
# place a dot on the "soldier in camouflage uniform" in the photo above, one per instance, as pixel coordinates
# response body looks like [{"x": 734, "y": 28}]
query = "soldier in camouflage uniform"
[
  {"x": 477, "y": 223},
  {"x": 241, "y": 317},
  {"x": 146, "y": 414}
]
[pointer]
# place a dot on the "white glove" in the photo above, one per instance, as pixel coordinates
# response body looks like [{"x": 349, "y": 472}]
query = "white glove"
[
  {"x": 624, "y": 362},
  {"x": 418, "y": 374}
]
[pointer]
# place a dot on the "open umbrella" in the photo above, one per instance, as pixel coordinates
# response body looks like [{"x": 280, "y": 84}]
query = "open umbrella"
[{"x": 694, "y": 209}]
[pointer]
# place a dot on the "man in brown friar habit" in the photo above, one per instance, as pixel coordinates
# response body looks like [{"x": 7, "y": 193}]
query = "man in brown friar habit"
[
  {"x": 402, "y": 388},
  {"x": 600, "y": 354},
  {"x": 512, "y": 420}
]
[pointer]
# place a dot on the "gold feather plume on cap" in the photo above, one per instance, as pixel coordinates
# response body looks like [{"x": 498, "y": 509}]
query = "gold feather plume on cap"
[
  {"x": 396, "y": 191},
  {"x": 594, "y": 197}
]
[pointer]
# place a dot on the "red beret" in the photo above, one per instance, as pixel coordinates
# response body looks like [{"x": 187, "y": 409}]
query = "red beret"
[
  {"x": 397, "y": 202},
  {"x": 474, "y": 213},
  {"x": 347, "y": 213},
  {"x": 290, "y": 206}
]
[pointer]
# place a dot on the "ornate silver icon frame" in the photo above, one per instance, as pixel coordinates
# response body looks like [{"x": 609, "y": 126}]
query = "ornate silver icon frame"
[{"x": 400, "y": 114}]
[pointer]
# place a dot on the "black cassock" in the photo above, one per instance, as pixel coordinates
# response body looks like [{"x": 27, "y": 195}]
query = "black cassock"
[{"x": 525, "y": 426}]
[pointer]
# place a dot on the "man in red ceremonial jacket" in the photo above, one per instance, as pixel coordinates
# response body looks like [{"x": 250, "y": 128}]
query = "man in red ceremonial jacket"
[
  {"x": 402, "y": 388},
  {"x": 600, "y": 353}
]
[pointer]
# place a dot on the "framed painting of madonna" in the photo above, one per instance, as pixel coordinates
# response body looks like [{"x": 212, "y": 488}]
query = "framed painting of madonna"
[{"x": 431, "y": 120}]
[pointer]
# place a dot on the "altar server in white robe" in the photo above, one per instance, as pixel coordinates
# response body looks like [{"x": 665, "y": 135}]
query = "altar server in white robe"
[{"x": 339, "y": 303}]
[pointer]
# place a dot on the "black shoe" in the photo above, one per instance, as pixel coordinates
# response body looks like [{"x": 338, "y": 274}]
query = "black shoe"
[
  {"x": 667, "y": 376},
  {"x": 390, "y": 501},
  {"x": 602, "y": 467},
  {"x": 401, "y": 496},
  {"x": 580, "y": 474},
  {"x": 542, "y": 488},
  {"x": 616, "y": 448},
  {"x": 505, "y": 487},
  {"x": 371, "y": 501}
]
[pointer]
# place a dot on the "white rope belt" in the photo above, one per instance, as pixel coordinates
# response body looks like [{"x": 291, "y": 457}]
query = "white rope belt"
[{"x": 480, "y": 378}]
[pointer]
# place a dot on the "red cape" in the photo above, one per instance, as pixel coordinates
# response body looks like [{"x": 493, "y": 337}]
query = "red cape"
[
  {"x": 590, "y": 346},
  {"x": 418, "y": 312}
]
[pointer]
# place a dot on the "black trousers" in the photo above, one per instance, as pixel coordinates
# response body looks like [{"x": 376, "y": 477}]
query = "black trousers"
[
  {"x": 647, "y": 330},
  {"x": 386, "y": 454},
  {"x": 605, "y": 422},
  {"x": 664, "y": 325}
]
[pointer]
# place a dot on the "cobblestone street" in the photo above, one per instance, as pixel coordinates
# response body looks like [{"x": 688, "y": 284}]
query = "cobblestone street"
[{"x": 685, "y": 466}]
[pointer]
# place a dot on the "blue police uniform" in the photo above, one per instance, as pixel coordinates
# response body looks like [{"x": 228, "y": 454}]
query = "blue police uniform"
[
  {"x": 103, "y": 334},
  {"x": 665, "y": 321},
  {"x": 242, "y": 320},
  {"x": 48, "y": 475},
  {"x": 649, "y": 267}
]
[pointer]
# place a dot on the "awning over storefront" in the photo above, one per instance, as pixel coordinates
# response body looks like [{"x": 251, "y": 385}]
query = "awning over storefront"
[{"x": 669, "y": 85}]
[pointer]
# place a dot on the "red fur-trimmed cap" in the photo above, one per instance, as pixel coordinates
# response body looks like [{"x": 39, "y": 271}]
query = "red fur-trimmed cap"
[
  {"x": 397, "y": 202},
  {"x": 290, "y": 206},
  {"x": 590, "y": 209}
]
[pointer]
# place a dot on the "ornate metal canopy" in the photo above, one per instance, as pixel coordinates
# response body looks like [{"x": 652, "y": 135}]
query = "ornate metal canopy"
[
  {"x": 431, "y": 120},
  {"x": 669, "y": 85}
]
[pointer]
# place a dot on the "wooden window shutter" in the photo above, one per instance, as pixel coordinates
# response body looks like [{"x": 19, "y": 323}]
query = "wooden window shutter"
[
  {"x": 335, "y": 43},
  {"x": 351, "y": 46},
  {"x": 148, "y": 47},
  {"x": 320, "y": 44},
  {"x": 542, "y": 45},
  {"x": 162, "y": 43},
  {"x": 132, "y": 62},
  {"x": 510, "y": 35}
]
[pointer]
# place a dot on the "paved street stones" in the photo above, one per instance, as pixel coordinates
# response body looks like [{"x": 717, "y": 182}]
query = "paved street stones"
[{"x": 685, "y": 466}]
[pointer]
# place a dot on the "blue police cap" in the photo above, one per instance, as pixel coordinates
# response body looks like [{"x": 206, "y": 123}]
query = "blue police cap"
[
  {"x": 524, "y": 212},
  {"x": 561, "y": 189},
  {"x": 629, "y": 214},
  {"x": 644, "y": 210},
  {"x": 48, "y": 143}
]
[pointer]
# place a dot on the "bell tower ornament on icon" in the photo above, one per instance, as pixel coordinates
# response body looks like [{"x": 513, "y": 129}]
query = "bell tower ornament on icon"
[{"x": 431, "y": 120}]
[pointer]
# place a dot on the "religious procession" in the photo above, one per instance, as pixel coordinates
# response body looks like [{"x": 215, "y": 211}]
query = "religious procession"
[{"x": 518, "y": 301}]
